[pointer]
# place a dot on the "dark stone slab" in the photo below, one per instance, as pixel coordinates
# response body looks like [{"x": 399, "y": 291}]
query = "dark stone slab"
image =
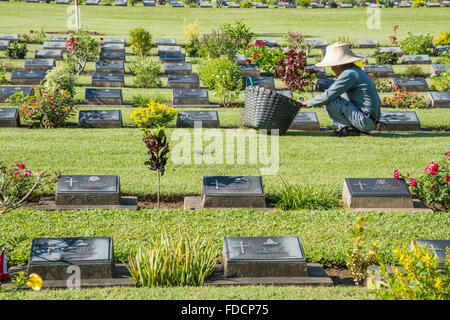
[
  {"x": 100, "y": 118},
  {"x": 266, "y": 82},
  {"x": 113, "y": 47},
  {"x": 259, "y": 5},
  {"x": 183, "y": 81},
  {"x": 172, "y": 57},
  {"x": 57, "y": 38},
  {"x": 346, "y": 6},
  {"x": 32, "y": 1},
  {"x": 9, "y": 117},
  {"x": 441, "y": 49},
  {"x": 10, "y": 37},
  {"x": 207, "y": 119},
  {"x": 376, "y": 193},
  {"x": 178, "y": 68},
  {"x": 63, "y": 1},
  {"x": 103, "y": 96},
  {"x": 433, "y": 4},
  {"x": 6, "y": 92},
  {"x": 39, "y": 64},
  {"x": 51, "y": 257},
  {"x": 439, "y": 247},
  {"x": 48, "y": 54},
  {"x": 176, "y": 4},
  {"x": 149, "y": 3},
  {"x": 106, "y": 55},
  {"x": 233, "y": 5},
  {"x": 324, "y": 83},
  {"x": 404, "y": 5},
  {"x": 196, "y": 96},
  {"x": 380, "y": 71},
  {"x": 286, "y": 93},
  {"x": 305, "y": 121},
  {"x": 110, "y": 66},
  {"x": 92, "y": 2},
  {"x": 416, "y": 59},
  {"x": 263, "y": 257},
  {"x": 165, "y": 41},
  {"x": 375, "y": 5},
  {"x": 399, "y": 121},
  {"x": 110, "y": 40},
  {"x": 205, "y": 4},
  {"x": 108, "y": 79},
  {"x": 446, "y": 3},
  {"x": 318, "y": 43},
  {"x": 233, "y": 192},
  {"x": 411, "y": 84},
  {"x": 86, "y": 190},
  {"x": 4, "y": 44},
  {"x": 55, "y": 46},
  {"x": 290, "y": 5},
  {"x": 437, "y": 99},
  {"x": 250, "y": 70},
  {"x": 27, "y": 76},
  {"x": 367, "y": 43},
  {"x": 121, "y": 3},
  {"x": 169, "y": 49},
  {"x": 270, "y": 43},
  {"x": 437, "y": 69},
  {"x": 397, "y": 50},
  {"x": 240, "y": 59},
  {"x": 320, "y": 71}
]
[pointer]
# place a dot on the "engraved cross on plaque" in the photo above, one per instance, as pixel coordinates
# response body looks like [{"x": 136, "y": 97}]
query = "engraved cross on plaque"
[
  {"x": 70, "y": 182},
  {"x": 241, "y": 246},
  {"x": 360, "y": 184}
]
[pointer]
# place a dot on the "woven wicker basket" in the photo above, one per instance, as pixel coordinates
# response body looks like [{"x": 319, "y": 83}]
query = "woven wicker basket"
[{"x": 267, "y": 109}]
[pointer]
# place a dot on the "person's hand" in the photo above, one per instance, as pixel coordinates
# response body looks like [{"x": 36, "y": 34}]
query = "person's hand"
[{"x": 302, "y": 102}]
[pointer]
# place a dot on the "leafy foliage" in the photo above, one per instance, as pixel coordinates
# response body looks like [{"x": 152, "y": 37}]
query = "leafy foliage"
[
  {"x": 142, "y": 100},
  {"x": 297, "y": 42},
  {"x": 443, "y": 39},
  {"x": 404, "y": 99},
  {"x": 81, "y": 48},
  {"x": 154, "y": 115},
  {"x": 33, "y": 37},
  {"x": 191, "y": 34},
  {"x": 421, "y": 43},
  {"x": 16, "y": 50},
  {"x": 387, "y": 57},
  {"x": 292, "y": 71},
  {"x": 140, "y": 41},
  {"x": 146, "y": 72},
  {"x": 413, "y": 71},
  {"x": 60, "y": 78},
  {"x": 441, "y": 82},
  {"x": 266, "y": 58}
]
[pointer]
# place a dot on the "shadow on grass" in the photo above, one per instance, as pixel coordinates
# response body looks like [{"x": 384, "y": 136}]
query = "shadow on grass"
[{"x": 373, "y": 134}]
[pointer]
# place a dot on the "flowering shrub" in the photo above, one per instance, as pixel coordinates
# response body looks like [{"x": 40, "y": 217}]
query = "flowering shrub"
[
  {"x": 46, "y": 109},
  {"x": 443, "y": 39},
  {"x": 433, "y": 187},
  {"x": 246, "y": 4},
  {"x": 16, "y": 50},
  {"x": 404, "y": 99},
  {"x": 297, "y": 42},
  {"x": 292, "y": 71},
  {"x": 140, "y": 41},
  {"x": 418, "y": 3},
  {"x": 420, "y": 278},
  {"x": 382, "y": 84},
  {"x": 387, "y": 57},
  {"x": 33, "y": 37},
  {"x": 266, "y": 58},
  {"x": 441, "y": 82},
  {"x": 146, "y": 72},
  {"x": 155, "y": 115},
  {"x": 81, "y": 48},
  {"x": 421, "y": 43},
  {"x": 60, "y": 78}
]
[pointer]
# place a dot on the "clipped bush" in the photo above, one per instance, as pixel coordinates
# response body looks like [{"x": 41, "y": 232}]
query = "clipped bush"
[
  {"x": 246, "y": 4},
  {"x": 418, "y": 3},
  {"x": 141, "y": 100},
  {"x": 387, "y": 57},
  {"x": 421, "y": 43},
  {"x": 3, "y": 72},
  {"x": 153, "y": 116},
  {"x": 292, "y": 71},
  {"x": 33, "y": 37},
  {"x": 404, "y": 99},
  {"x": 192, "y": 35},
  {"x": 146, "y": 72},
  {"x": 60, "y": 78},
  {"x": 140, "y": 41},
  {"x": 16, "y": 51},
  {"x": 303, "y": 3},
  {"x": 413, "y": 71},
  {"x": 441, "y": 82},
  {"x": 443, "y": 39}
]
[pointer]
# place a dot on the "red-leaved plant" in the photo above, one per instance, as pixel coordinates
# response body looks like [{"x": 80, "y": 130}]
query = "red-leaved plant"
[{"x": 292, "y": 71}]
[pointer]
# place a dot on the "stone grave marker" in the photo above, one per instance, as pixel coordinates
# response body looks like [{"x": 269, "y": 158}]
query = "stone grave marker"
[
  {"x": 404, "y": 5},
  {"x": 27, "y": 76},
  {"x": 305, "y": 121},
  {"x": 100, "y": 118},
  {"x": 177, "y": 4},
  {"x": 183, "y": 81},
  {"x": 55, "y": 46},
  {"x": 367, "y": 43},
  {"x": 56, "y": 38},
  {"x": 114, "y": 56},
  {"x": 6, "y": 92},
  {"x": 103, "y": 96},
  {"x": 289, "y": 5},
  {"x": 346, "y": 5},
  {"x": 39, "y": 64},
  {"x": 375, "y": 5},
  {"x": 320, "y": 71},
  {"x": 10, "y": 37},
  {"x": 165, "y": 41},
  {"x": 172, "y": 57},
  {"x": 9, "y": 117},
  {"x": 437, "y": 69},
  {"x": 240, "y": 59},
  {"x": 121, "y": 3},
  {"x": 380, "y": 71},
  {"x": 318, "y": 43},
  {"x": 168, "y": 49},
  {"x": 4, "y": 44},
  {"x": 92, "y": 2},
  {"x": 324, "y": 83},
  {"x": 247, "y": 257},
  {"x": 250, "y": 70},
  {"x": 269, "y": 43},
  {"x": 433, "y": 4},
  {"x": 196, "y": 96},
  {"x": 313, "y": 5},
  {"x": 48, "y": 54},
  {"x": 263, "y": 81},
  {"x": 32, "y": 1},
  {"x": 397, "y": 50},
  {"x": 399, "y": 121},
  {"x": 113, "y": 47},
  {"x": 376, "y": 193},
  {"x": 50, "y": 257},
  {"x": 437, "y": 99},
  {"x": 259, "y": 5},
  {"x": 110, "y": 66},
  {"x": 205, "y": 4},
  {"x": 439, "y": 247},
  {"x": 114, "y": 40},
  {"x": 411, "y": 84},
  {"x": 446, "y": 3},
  {"x": 63, "y": 1},
  {"x": 178, "y": 68},
  {"x": 416, "y": 59},
  {"x": 149, "y": 3},
  {"x": 108, "y": 79},
  {"x": 207, "y": 119},
  {"x": 441, "y": 49},
  {"x": 233, "y": 5},
  {"x": 233, "y": 192}
]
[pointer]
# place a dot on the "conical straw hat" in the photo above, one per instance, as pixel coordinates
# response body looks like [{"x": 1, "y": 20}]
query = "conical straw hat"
[{"x": 338, "y": 54}]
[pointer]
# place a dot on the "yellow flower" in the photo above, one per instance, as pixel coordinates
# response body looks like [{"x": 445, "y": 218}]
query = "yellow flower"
[
  {"x": 438, "y": 283},
  {"x": 35, "y": 282}
]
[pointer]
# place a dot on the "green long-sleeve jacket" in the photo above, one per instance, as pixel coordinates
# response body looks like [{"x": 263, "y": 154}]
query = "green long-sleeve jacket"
[{"x": 356, "y": 86}]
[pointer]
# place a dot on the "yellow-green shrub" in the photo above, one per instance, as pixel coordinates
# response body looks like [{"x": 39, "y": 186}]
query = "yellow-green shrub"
[
  {"x": 155, "y": 115},
  {"x": 443, "y": 39},
  {"x": 418, "y": 3}
]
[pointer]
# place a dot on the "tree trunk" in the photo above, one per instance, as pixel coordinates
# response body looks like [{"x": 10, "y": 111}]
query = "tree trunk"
[{"x": 159, "y": 188}]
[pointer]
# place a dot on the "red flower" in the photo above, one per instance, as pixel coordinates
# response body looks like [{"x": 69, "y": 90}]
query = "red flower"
[
  {"x": 448, "y": 178},
  {"x": 371, "y": 76},
  {"x": 26, "y": 174},
  {"x": 255, "y": 57},
  {"x": 248, "y": 60},
  {"x": 20, "y": 166},
  {"x": 4, "y": 170},
  {"x": 413, "y": 182},
  {"x": 31, "y": 31},
  {"x": 395, "y": 27},
  {"x": 256, "y": 43},
  {"x": 396, "y": 174},
  {"x": 447, "y": 153},
  {"x": 101, "y": 39}
]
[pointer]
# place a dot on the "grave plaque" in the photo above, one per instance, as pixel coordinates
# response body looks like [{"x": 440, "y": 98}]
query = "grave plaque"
[
  {"x": 411, "y": 84},
  {"x": 113, "y": 47},
  {"x": 247, "y": 257},
  {"x": 318, "y": 43},
  {"x": 439, "y": 247},
  {"x": 367, "y": 43},
  {"x": 103, "y": 96},
  {"x": 433, "y": 4},
  {"x": 88, "y": 190},
  {"x": 265, "y": 82},
  {"x": 196, "y": 96},
  {"x": 32, "y": 1},
  {"x": 416, "y": 59},
  {"x": 50, "y": 257},
  {"x": 168, "y": 49},
  {"x": 121, "y": 3},
  {"x": 205, "y": 4},
  {"x": 375, "y": 5},
  {"x": 108, "y": 79},
  {"x": 399, "y": 121},
  {"x": 92, "y": 2},
  {"x": 178, "y": 68},
  {"x": 100, "y": 118},
  {"x": 39, "y": 64},
  {"x": 233, "y": 192},
  {"x": 176, "y": 4},
  {"x": 115, "y": 56},
  {"x": 269, "y": 43},
  {"x": 290, "y": 5},
  {"x": 376, "y": 193},
  {"x": 397, "y": 50},
  {"x": 346, "y": 5},
  {"x": 240, "y": 59},
  {"x": 27, "y": 76},
  {"x": 441, "y": 49},
  {"x": 313, "y": 5},
  {"x": 437, "y": 99},
  {"x": 250, "y": 70},
  {"x": 207, "y": 119},
  {"x": 4, "y": 44},
  {"x": 446, "y": 3},
  {"x": 9, "y": 117},
  {"x": 6, "y": 92},
  {"x": 149, "y": 3},
  {"x": 63, "y": 1},
  {"x": 172, "y": 57},
  {"x": 9, "y": 37},
  {"x": 437, "y": 69},
  {"x": 165, "y": 41},
  {"x": 380, "y": 71},
  {"x": 48, "y": 54},
  {"x": 286, "y": 93},
  {"x": 59, "y": 38},
  {"x": 183, "y": 81},
  {"x": 114, "y": 40},
  {"x": 404, "y": 5},
  {"x": 260, "y": 5},
  {"x": 305, "y": 121},
  {"x": 324, "y": 83},
  {"x": 320, "y": 71},
  {"x": 55, "y": 46},
  {"x": 110, "y": 66},
  {"x": 233, "y": 5}
]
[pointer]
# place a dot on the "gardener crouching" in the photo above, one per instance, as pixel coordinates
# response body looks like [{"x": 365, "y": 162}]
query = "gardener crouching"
[{"x": 352, "y": 102}]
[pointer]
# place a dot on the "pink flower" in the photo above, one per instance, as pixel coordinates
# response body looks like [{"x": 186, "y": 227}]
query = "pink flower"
[
  {"x": 447, "y": 153},
  {"x": 371, "y": 76},
  {"x": 4, "y": 170},
  {"x": 31, "y": 31},
  {"x": 396, "y": 174},
  {"x": 432, "y": 168},
  {"x": 256, "y": 43},
  {"x": 433, "y": 173},
  {"x": 20, "y": 166},
  {"x": 413, "y": 182},
  {"x": 395, "y": 27},
  {"x": 101, "y": 39},
  {"x": 17, "y": 174},
  {"x": 255, "y": 56},
  {"x": 26, "y": 174},
  {"x": 448, "y": 178},
  {"x": 248, "y": 60}
]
